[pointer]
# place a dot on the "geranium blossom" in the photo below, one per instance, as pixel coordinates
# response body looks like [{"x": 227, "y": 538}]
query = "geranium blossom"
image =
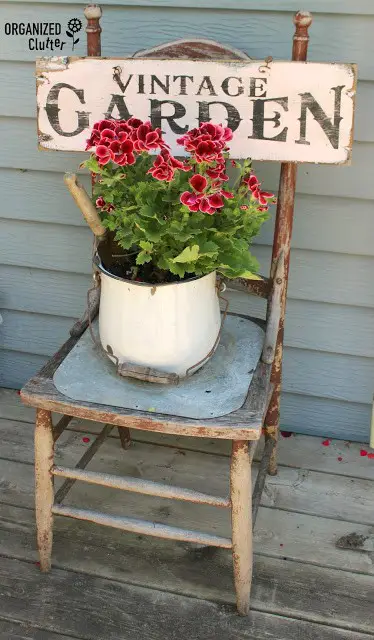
[
  {"x": 146, "y": 138},
  {"x": 165, "y": 166},
  {"x": 157, "y": 213},
  {"x": 122, "y": 152},
  {"x": 218, "y": 171},
  {"x": 103, "y": 154},
  {"x": 203, "y": 200},
  {"x": 100, "y": 202},
  {"x": 207, "y": 142},
  {"x": 262, "y": 197},
  {"x": 119, "y": 140},
  {"x": 105, "y": 206}
]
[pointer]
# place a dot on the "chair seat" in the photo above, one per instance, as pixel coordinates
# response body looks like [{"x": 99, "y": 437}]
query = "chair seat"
[{"x": 227, "y": 398}]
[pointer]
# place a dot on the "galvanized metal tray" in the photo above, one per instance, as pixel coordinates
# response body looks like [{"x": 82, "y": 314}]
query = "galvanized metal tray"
[{"x": 217, "y": 389}]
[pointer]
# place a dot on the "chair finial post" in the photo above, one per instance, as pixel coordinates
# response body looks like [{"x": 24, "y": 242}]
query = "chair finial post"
[
  {"x": 93, "y": 13},
  {"x": 302, "y": 21}
]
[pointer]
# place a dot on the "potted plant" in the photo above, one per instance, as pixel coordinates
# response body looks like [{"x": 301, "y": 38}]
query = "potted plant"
[{"x": 175, "y": 225}]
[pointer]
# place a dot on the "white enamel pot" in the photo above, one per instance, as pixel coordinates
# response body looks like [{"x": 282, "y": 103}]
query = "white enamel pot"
[{"x": 169, "y": 327}]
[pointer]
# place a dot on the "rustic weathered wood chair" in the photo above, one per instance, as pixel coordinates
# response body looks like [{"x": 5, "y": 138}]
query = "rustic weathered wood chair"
[{"x": 243, "y": 426}]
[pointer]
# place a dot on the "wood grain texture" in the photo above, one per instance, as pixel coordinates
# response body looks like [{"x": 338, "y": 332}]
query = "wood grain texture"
[
  {"x": 44, "y": 486},
  {"x": 16, "y": 631},
  {"x": 136, "y": 610},
  {"x": 258, "y": 33},
  {"x": 314, "y": 456},
  {"x": 241, "y": 522},
  {"x": 265, "y": 626},
  {"x": 243, "y": 423}
]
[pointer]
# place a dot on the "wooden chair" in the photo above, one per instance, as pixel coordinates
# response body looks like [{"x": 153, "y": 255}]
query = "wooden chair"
[{"x": 243, "y": 427}]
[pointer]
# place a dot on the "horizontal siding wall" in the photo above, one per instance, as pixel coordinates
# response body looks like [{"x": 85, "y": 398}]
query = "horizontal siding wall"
[{"x": 45, "y": 247}]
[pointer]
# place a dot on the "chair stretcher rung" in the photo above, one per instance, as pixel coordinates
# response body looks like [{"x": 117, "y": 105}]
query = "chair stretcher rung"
[
  {"x": 61, "y": 426},
  {"x": 142, "y": 526},
  {"x": 147, "y": 487}
]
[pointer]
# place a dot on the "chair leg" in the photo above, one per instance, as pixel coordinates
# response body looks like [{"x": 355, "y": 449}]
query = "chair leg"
[
  {"x": 241, "y": 517},
  {"x": 44, "y": 493},
  {"x": 125, "y": 437},
  {"x": 273, "y": 433}
]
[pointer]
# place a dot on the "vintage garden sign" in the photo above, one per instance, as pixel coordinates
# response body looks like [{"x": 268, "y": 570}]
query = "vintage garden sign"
[{"x": 280, "y": 111}]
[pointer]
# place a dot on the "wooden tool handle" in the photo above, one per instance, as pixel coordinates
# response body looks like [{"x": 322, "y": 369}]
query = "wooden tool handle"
[{"x": 84, "y": 203}]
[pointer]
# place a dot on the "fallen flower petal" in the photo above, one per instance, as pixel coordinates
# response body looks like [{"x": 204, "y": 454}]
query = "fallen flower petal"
[{"x": 326, "y": 443}]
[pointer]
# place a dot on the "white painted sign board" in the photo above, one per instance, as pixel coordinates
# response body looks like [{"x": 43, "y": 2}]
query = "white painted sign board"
[{"x": 280, "y": 111}]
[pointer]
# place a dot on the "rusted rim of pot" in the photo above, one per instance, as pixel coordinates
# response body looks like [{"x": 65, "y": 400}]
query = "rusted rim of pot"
[{"x": 99, "y": 265}]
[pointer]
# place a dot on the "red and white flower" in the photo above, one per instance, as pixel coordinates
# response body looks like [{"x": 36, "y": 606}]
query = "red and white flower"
[
  {"x": 165, "y": 166},
  {"x": 201, "y": 199},
  {"x": 262, "y": 197},
  {"x": 119, "y": 140}
]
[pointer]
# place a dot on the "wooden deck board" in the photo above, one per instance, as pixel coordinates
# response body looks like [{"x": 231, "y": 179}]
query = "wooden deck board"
[
  {"x": 265, "y": 627},
  {"x": 89, "y": 606},
  {"x": 15, "y": 631},
  {"x": 304, "y": 586}
]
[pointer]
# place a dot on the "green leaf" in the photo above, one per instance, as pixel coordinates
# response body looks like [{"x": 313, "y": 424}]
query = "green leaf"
[
  {"x": 189, "y": 254},
  {"x": 208, "y": 248},
  {"x": 147, "y": 246},
  {"x": 143, "y": 257},
  {"x": 92, "y": 164},
  {"x": 177, "y": 269}
]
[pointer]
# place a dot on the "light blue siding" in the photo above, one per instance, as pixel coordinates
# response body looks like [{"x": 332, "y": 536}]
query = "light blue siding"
[{"x": 45, "y": 247}]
